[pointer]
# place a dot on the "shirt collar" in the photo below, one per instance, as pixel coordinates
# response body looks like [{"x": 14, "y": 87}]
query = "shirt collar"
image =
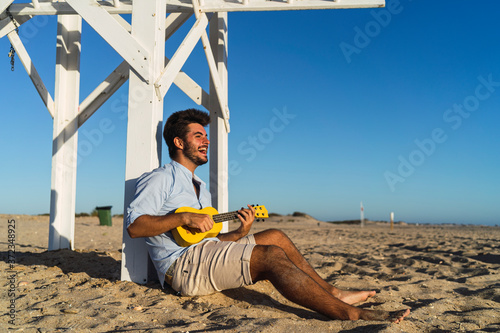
[{"x": 187, "y": 172}]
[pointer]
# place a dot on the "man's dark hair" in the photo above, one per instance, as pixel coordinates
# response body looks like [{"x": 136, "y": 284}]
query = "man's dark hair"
[{"x": 177, "y": 126}]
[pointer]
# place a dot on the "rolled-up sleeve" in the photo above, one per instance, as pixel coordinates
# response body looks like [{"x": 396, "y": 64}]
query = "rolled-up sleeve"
[{"x": 150, "y": 195}]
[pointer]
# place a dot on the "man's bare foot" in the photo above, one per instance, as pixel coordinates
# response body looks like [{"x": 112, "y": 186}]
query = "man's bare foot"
[
  {"x": 378, "y": 315},
  {"x": 353, "y": 297}
]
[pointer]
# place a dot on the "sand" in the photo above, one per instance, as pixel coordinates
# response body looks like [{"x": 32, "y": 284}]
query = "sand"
[{"x": 449, "y": 276}]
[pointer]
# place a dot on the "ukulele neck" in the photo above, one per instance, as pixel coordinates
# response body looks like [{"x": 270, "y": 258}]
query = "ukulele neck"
[{"x": 225, "y": 216}]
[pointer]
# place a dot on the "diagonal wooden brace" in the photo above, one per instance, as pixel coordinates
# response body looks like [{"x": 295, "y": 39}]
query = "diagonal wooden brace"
[
  {"x": 115, "y": 35},
  {"x": 32, "y": 72},
  {"x": 7, "y": 25},
  {"x": 121, "y": 74},
  {"x": 4, "y": 4},
  {"x": 169, "y": 73},
  {"x": 213, "y": 69}
]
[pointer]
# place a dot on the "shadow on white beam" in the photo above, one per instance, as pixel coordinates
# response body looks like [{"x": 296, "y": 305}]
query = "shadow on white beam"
[
  {"x": 276, "y": 5},
  {"x": 174, "y": 6}
]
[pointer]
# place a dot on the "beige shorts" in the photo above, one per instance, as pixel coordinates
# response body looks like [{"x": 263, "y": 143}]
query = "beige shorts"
[{"x": 214, "y": 266}]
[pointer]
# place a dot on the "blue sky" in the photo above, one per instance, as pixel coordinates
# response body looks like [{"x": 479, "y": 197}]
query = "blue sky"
[{"x": 395, "y": 107}]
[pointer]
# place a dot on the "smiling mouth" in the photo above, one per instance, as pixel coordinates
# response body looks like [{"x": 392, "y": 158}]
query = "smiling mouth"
[{"x": 203, "y": 150}]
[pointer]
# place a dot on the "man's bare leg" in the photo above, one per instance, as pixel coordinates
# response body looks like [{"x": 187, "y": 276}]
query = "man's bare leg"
[
  {"x": 278, "y": 238},
  {"x": 273, "y": 264}
]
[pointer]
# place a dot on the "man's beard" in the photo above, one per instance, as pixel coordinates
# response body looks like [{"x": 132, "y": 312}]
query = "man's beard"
[{"x": 192, "y": 154}]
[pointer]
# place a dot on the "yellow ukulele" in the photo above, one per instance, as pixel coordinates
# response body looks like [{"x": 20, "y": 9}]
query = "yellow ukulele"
[{"x": 185, "y": 236}]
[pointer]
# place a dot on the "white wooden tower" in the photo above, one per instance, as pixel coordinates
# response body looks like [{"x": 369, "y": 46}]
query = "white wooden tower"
[{"x": 141, "y": 44}]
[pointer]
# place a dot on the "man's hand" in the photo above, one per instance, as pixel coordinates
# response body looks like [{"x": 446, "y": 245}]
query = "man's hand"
[
  {"x": 149, "y": 226},
  {"x": 201, "y": 222},
  {"x": 246, "y": 217}
]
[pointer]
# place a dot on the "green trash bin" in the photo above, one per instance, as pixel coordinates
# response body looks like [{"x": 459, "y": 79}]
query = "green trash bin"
[{"x": 104, "y": 215}]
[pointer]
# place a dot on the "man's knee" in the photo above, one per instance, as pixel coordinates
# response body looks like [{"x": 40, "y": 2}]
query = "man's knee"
[
  {"x": 265, "y": 257},
  {"x": 268, "y": 262},
  {"x": 267, "y": 253},
  {"x": 271, "y": 237}
]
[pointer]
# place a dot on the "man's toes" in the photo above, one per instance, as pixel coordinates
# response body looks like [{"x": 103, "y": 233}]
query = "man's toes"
[{"x": 398, "y": 316}]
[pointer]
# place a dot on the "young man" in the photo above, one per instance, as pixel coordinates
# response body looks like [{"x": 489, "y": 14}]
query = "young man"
[{"x": 233, "y": 259}]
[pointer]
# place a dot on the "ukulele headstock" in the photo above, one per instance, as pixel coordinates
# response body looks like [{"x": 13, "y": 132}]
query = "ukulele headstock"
[{"x": 260, "y": 212}]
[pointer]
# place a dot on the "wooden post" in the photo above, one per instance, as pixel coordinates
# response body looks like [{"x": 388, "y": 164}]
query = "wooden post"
[
  {"x": 392, "y": 221},
  {"x": 65, "y": 134},
  {"x": 144, "y": 131},
  {"x": 218, "y": 133}
]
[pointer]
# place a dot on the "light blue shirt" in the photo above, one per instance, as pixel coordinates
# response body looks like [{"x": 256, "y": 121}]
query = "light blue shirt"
[{"x": 161, "y": 192}]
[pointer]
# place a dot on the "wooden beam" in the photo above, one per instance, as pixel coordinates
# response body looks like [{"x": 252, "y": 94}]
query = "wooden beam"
[
  {"x": 208, "y": 6},
  {"x": 7, "y": 25},
  {"x": 103, "y": 92},
  {"x": 192, "y": 89},
  {"x": 32, "y": 72},
  {"x": 63, "y": 8},
  {"x": 144, "y": 126},
  {"x": 121, "y": 74},
  {"x": 214, "y": 74},
  {"x": 65, "y": 135},
  {"x": 4, "y": 4},
  {"x": 115, "y": 35},
  {"x": 218, "y": 133},
  {"x": 174, "y": 21},
  {"x": 168, "y": 74},
  {"x": 216, "y": 82}
]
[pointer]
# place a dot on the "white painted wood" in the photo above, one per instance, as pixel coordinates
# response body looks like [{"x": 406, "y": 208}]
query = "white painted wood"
[
  {"x": 218, "y": 133},
  {"x": 144, "y": 126},
  {"x": 65, "y": 135},
  {"x": 208, "y": 6},
  {"x": 122, "y": 22},
  {"x": 216, "y": 82},
  {"x": 6, "y": 25},
  {"x": 119, "y": 76},
  {"x": 103, "y": 92},
  {"x": 116, "y": 36},
  {"x": 63, "y": 8},
  {"x": 192, "y": 89},
  {"x": 174, "y": 21},
  {"x": 31, "y": 70},
  {"x": 214, "y": 75},
  {"x": 168, "y": 74},
  {"x": 4, "y": 4}
]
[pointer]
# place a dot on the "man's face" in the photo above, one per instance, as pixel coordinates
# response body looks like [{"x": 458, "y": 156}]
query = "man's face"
[{"x": 196, "y": 144}]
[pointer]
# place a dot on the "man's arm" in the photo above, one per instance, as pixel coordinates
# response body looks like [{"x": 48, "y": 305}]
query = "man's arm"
[
  {"x": 149, "y": 225},
  {"x": 246, "y": 217}
]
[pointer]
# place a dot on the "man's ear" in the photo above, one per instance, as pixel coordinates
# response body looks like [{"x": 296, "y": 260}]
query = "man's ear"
[{"x": 179, "y": 143}]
